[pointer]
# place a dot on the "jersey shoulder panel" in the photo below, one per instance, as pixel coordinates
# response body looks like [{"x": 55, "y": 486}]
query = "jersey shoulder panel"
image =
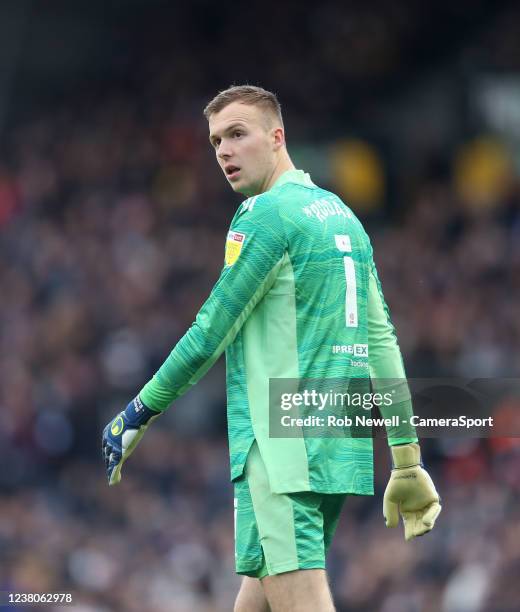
[{"x": 259, "y": 209}]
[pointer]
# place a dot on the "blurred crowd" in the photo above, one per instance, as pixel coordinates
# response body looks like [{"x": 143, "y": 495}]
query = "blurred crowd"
[{"x": 112, "y": 223}]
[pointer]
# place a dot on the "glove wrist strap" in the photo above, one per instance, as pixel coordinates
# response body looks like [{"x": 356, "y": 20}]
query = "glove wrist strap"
[
  {"x": 406, "y": 456},
  {"x": 137, "y": 414}
]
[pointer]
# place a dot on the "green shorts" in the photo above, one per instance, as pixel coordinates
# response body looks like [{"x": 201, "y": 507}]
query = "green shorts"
[{"x": 276, "y": 533}]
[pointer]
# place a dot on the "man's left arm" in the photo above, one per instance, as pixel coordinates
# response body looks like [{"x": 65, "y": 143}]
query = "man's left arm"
[{"x": 255, "y": 248}]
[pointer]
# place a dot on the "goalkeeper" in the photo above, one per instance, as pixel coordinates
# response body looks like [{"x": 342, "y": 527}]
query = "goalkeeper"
[{"x": 298, "y": 290}]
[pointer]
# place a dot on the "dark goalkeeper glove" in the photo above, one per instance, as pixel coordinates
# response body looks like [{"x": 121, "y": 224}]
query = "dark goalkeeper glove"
[
  {"x": 410, "y": 492},
  {"x": 122, "y": 435}
]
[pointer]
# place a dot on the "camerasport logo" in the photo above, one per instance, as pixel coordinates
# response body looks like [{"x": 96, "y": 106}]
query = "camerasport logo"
[
  {"x": 234, "y": 243},
  {"x": 354, "y": 350}
]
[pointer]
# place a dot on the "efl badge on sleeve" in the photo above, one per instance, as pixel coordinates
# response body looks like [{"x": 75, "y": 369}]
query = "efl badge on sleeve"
[{"x": 234, "y": 243}]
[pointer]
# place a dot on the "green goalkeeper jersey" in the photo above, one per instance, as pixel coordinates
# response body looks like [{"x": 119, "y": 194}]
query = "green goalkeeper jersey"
[{"x": 298, "y": 298}]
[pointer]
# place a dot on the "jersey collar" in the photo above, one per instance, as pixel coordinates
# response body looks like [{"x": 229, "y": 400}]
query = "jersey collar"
[{"x": 294, "y": 176}]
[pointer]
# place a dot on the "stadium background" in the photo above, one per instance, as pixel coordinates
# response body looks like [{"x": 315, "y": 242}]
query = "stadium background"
[{"x": 112, "y": 220}]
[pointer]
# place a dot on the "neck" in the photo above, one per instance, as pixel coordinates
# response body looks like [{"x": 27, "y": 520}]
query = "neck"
[{"x": 283, "y": 164}]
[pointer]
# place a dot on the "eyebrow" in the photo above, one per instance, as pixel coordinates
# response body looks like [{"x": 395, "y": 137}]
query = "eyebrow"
[{"x": 229, "y": 128}]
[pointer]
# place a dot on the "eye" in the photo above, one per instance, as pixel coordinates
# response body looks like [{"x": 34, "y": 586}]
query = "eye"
[{"x": 237, "y": 134}]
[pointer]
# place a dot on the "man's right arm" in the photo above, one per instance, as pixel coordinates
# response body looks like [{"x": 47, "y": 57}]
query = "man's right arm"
[
  {"x": 386, "y": 363},
  {"x": 410, "y": 492}
]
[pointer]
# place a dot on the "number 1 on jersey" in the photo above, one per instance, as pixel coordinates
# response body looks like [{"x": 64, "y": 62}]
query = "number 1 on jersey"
[{"x": 351, "y": 314}]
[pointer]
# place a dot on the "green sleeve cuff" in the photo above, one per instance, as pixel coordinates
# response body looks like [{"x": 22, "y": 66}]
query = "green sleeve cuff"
[
  {"x": 398, "y": 441},
  {"x": 404, "y": 432},
  {"x": 156, "y": 396}
]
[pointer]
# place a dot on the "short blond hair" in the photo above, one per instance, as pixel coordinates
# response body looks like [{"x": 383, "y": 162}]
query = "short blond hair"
[{"x": 246, "y": 94}]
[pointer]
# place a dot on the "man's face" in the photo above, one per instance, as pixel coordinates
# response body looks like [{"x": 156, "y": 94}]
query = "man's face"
[{"x": 244, "y": 143}]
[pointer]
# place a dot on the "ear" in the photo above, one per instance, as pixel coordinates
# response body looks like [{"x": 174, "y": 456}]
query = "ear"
[{"x": 278, "y": 136}]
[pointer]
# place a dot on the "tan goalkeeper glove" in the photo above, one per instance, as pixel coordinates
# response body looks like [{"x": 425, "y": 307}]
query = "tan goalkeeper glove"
[{"x": 410, "y": 492}]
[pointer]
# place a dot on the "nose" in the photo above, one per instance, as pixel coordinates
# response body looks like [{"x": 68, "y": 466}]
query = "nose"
[{"x": 224, "y": 150}]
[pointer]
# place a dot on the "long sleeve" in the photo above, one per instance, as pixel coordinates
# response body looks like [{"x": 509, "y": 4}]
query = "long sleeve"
[
  {"x": 255, "y": 247},
  {"x": 386, "y": 364}
]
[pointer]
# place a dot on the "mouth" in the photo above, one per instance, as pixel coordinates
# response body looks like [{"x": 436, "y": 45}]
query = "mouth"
[{"x": 232, "y": 172}]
